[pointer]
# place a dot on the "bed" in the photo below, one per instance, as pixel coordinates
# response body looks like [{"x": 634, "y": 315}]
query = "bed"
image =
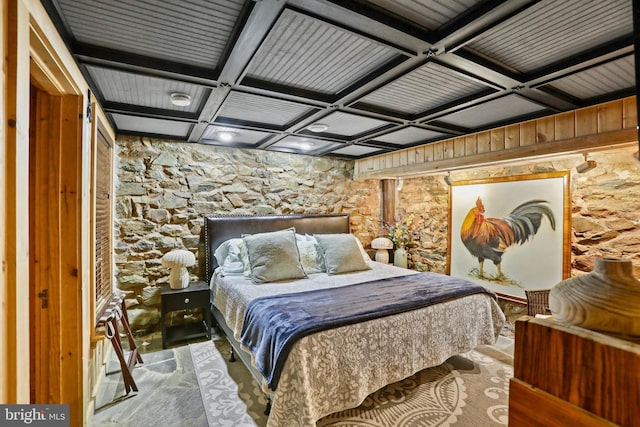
[{"x": 335, "y": 368}]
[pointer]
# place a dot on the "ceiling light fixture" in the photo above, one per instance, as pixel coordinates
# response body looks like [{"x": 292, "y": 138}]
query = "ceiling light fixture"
[
  {"x": 318, "y": 127},
  {"x": 587, "y": 165},
  {"x": 226, "y": 135},
  {"x": 399, "y": 184},
  {"x": 306, "y": 145},
  {"x": 180, "y": 99}
]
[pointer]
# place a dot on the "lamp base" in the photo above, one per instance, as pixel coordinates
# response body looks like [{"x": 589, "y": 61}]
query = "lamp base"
[
  {"x": 382, "y": 255},
  {"x": 179, "y": 278}
]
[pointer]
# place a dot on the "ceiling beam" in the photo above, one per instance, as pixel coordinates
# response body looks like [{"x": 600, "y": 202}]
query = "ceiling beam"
[
  {"x": 256, "y": 22},
  {"x": 135, "y": 63}
]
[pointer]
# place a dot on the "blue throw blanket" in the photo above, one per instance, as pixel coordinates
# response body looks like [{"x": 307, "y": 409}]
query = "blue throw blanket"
[{"x": 273, "y": 324}]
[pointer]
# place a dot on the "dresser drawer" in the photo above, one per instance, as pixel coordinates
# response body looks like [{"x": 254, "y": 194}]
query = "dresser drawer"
[{"x": 183, "y": 301}]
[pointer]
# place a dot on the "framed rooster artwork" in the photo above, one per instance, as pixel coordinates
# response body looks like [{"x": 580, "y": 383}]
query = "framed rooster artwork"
[{"x": 512, "y": 233}]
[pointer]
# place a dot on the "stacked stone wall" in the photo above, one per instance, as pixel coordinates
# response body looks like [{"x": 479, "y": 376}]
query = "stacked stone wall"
[
  {"x": 604, "y": 219},
  {"x": 164, "y": 189}
]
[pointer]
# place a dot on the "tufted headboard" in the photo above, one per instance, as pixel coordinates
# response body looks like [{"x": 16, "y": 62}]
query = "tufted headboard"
[{"x": 218, "y": 228}]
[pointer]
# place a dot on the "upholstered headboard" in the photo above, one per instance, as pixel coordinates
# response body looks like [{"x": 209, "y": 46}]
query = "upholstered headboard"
[{"x": 217, "y": 229}]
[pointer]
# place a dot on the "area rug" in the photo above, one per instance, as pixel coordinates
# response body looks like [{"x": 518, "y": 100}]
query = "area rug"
[
  {"x": 230, "y": 395},
  {"x": 470, "y": 389}
]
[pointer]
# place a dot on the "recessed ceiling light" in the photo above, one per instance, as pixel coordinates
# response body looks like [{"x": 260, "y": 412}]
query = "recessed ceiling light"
[
  {"x": 180, "y": 99},
  {"x": 226, "y": 135},
  {"x": 306, "y": 145},
  {"x": 318, "y": 127}
]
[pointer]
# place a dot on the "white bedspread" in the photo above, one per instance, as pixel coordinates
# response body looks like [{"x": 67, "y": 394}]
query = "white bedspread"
[{"x": 336, "y": 369}]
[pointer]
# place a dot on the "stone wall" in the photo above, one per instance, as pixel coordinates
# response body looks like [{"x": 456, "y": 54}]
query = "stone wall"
[
  {"x": 605, "y": 202},
  {"x": 164, "y": 189}
]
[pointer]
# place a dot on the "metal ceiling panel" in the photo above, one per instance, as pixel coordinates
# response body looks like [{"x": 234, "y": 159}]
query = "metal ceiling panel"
[
  {"x": 237, "y": 135},
  {"x": 146, "y": 91},
  {"x": 262, "y": 109},
  {"x": 409, "y": 135},
  {"x": 305, "y": 53},
  {"x": 126, "y": 123},
  {"x": 497, "y": 110},
  {"x": 430, "y": 14},
  {"x": 303, "y": 145},
  {"x": 347, "y": 124},
  {"x": 357, "y": 150},
  {"x": 423, "y": 89},
  {"x": 194, "y": 32},
  {"x": 553, "y": 30},
  {"x": 607, "y": 78},
  {"x": 381, "y": 74}
]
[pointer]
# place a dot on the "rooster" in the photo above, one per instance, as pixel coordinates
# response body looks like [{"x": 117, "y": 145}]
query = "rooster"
[{"x": 489, "y": 238}]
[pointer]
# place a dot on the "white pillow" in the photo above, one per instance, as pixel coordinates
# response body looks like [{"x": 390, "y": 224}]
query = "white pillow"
[
  {"x": 228, "y": 257},
  {"x": 310, "y": 255}
]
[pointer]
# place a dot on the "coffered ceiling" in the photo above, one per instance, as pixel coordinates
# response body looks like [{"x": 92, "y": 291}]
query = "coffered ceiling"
[{"x": 377, "y": 75}]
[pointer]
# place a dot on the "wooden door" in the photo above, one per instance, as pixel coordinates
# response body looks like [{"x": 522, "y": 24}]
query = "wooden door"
[{"x": 55, "y": 248}]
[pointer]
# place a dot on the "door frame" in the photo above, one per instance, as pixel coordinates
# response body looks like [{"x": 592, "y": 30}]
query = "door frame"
[{"x": 35, "y": 54}]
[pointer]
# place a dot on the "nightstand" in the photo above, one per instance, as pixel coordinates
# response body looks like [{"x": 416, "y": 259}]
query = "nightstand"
[{"x": 196, "y": 295}]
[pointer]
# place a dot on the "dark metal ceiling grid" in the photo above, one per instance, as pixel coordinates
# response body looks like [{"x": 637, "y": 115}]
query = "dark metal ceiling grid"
[
  {"x": 423, "y": 89},
  {"x": 356, "y": 151},
  {"x": 297, "y": 144},
  {"x": 345, "y": 124},
  {"x": 510, "y": 107},
  {"x": 244, "y": 136},
  {"x": 248, "y": 107},
  {"x": 190, "y": 32},
  {"x": 611, "y": 77},
  {"x": 552, "y": 30},
  {"x": 381, "y": 74},
  {"x": 410, "y": 135},
  {"x": 150, "y": 126},
  {"x": 305, "y": 53},
  {"x": 430, "y": 14},
  {"x": 137, "y": 89}
]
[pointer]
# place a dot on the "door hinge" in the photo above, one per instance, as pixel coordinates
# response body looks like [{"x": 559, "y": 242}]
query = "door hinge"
[{"x": 44, "y": 297}]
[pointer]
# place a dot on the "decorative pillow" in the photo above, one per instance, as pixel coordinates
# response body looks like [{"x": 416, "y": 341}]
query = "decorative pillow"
[
  {"x": 228, "y": 256},
  {"x": 341, "y": 253},
  {"x": 274, "y": 256},
  {"x": 310, "y": 254},
  {"x": 364, "y": 253},
  {"x": 244, "y": 256},
  {"x": 233, "y": 263}
]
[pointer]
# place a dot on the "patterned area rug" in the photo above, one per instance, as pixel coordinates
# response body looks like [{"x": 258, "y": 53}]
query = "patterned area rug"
[
  {"x": 230, "y": 395},
  {"x": 467, "y": 390}
]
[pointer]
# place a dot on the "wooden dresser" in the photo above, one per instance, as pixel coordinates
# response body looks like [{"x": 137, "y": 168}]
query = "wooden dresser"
[{"x": 570, "y": 376}]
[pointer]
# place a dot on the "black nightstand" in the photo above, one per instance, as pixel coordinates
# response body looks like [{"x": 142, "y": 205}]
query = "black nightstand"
[{"x": 196, "y": 295}]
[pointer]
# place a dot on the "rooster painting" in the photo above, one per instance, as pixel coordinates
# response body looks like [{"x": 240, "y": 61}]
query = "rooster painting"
[{"x": 489, "y": 238}]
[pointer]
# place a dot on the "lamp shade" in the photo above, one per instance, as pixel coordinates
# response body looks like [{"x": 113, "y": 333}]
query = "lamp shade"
[
  {"x": 381, "y": 243},
  {"x": 178, "y": 258}
]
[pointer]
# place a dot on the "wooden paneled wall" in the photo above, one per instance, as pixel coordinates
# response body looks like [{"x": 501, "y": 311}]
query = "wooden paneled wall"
[{"x": 587, "y": 129}]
